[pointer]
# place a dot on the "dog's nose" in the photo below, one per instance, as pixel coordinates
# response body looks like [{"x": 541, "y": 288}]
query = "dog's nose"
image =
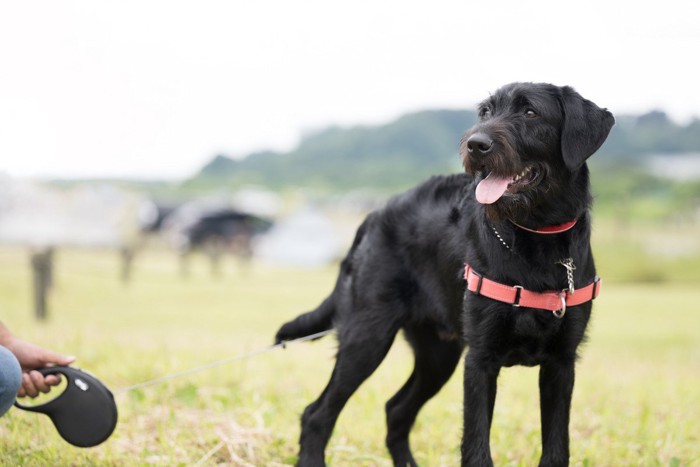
[{"x": 479, "y": 144}]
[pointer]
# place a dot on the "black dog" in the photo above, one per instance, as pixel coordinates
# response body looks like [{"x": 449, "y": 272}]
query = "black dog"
[{"x": 517, "y": 228}]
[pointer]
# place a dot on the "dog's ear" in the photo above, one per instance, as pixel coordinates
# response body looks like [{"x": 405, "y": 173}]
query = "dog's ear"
[{"x": 585, "y": 128}]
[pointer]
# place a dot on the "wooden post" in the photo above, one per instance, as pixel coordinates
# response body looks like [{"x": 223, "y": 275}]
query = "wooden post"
[
  {"x": 42, "y": 274},
  {"x": 126, "y": 253}
]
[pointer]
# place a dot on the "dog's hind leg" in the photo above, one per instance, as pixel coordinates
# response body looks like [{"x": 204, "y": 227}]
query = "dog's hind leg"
[
  {"x": 435, "y": 361},
  {"x": 362, "y": 347}
]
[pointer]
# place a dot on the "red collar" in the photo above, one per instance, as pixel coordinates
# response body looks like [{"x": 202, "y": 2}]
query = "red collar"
[
  {"x": 550, "y": 229},
  {"x": 556, "y": 302}
]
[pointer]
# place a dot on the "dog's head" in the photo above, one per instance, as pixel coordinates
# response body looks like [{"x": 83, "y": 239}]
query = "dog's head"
[{"x": 530, "y": 147}]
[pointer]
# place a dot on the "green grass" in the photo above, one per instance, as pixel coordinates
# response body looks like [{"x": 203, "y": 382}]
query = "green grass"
[
  {"x": 635, "y": 252},
  {"x": 636, "y": 402}
]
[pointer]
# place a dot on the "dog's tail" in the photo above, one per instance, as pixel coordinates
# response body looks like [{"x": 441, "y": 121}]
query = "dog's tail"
[
  {"x": 312, "y": 322},
  {"x": 321, "y": 319}
]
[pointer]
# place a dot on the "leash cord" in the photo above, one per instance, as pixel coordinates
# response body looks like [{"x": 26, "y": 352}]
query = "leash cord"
[{"x": 248, "y": 355}]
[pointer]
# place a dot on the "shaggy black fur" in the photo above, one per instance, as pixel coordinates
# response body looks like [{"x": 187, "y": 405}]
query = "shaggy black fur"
[{"x": 405, "y": 271}]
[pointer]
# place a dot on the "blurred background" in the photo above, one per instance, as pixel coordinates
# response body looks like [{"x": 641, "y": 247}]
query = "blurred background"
[
  {"x": 122, "y": 119},
  {"x": 172, "y": 149}
]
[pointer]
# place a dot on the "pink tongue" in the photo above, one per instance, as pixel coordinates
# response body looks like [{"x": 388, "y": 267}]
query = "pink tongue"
[{"x": 491, "y": 188}]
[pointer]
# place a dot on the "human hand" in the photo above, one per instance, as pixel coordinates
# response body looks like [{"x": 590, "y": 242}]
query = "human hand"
[{"x": 31, "y": 356}]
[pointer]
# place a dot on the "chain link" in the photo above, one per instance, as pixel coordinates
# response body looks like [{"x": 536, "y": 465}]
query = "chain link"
[
  {"x": 499, "y": 237},
  {"x": 569, "y": 265}
]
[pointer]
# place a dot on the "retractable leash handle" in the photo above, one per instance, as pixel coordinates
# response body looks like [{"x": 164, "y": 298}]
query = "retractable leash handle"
[{"x": 85, "y": 413}]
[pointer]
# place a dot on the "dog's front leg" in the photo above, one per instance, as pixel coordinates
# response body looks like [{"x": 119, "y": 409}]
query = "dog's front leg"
[
  {"x": 480, "y": 377},
  {"x": 556, "y": 387}
]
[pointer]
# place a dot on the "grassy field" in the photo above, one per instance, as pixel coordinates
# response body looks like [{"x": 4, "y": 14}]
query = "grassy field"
[{"x": 636, "y": 402}]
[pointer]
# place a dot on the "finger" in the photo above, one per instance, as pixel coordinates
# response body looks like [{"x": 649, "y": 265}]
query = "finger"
[
  {"x": 64, "y": 359},
  {"x": 28, "y": 385},
  {"x": 21, "y": 392},
  {"x": 39, "y": 382},
  {"x": 53, "y": 358},
  {"x": 52, "y": 380}
]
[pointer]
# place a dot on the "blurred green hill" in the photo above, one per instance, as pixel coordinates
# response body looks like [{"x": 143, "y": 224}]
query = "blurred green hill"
[
  {"x": 403, "y": 152},
  {"x": 385, "y": 157},
  {"x": 647, "y": 170}
]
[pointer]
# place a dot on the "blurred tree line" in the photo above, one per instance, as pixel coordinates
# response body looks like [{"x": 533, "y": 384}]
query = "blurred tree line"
[
  {"x": 386, "y": 158},
  {"x": 397, "y": 155}
]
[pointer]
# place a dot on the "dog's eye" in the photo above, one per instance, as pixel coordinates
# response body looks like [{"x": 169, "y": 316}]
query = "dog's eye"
[
  {"x": 484, "y": 112},
  {"x": 529, "y": 113}
]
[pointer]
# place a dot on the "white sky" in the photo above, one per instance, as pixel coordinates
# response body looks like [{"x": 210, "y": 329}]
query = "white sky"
[{"x": 155, "y": 88}]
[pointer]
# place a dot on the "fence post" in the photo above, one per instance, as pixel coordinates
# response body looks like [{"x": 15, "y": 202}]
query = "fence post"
[{"x": 42, "y": 275}]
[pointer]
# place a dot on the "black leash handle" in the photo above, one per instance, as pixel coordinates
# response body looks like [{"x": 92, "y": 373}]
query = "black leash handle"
[{"x": 85, "y": 413}]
